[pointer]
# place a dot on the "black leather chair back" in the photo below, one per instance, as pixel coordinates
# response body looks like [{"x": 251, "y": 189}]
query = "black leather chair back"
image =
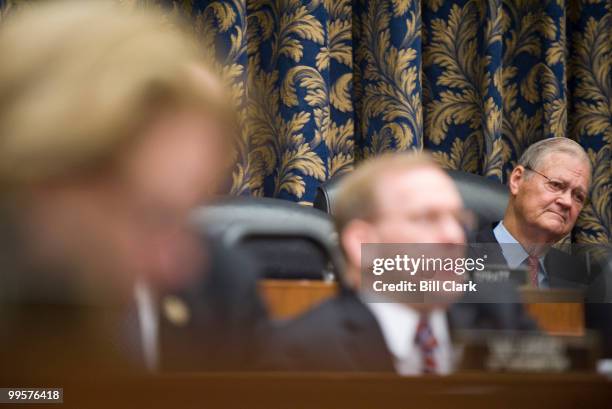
[
  {"x": 286, "y": 240},
  {"x": 485, "y": 197}
]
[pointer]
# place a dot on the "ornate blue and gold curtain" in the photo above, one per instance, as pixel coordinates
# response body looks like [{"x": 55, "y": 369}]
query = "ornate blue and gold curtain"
[{"x": 322, "y": 84}]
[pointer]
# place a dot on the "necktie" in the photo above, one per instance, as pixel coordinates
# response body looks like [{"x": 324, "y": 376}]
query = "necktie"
[
  {"x": 427, "y": 344},
  {"x": 533, "y": 265}
]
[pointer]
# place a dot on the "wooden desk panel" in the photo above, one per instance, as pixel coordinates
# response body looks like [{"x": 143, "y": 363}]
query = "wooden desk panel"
[
  {"x": 288, "y": 298},
  {"x": 559, "y": 318},
  {"x": 557, "y": 311},
  {"x": 319, "y": 391}
]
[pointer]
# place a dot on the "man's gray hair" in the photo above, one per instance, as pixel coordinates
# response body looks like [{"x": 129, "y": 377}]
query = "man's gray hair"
[{"x": 536, "y": 153}]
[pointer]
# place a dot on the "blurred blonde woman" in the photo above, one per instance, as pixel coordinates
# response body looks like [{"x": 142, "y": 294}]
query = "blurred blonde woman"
[{"x": 112, "y": 128}]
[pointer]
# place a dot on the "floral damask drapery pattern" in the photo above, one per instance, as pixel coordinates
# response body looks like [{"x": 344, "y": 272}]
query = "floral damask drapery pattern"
[{"x": 322, "y": 84}]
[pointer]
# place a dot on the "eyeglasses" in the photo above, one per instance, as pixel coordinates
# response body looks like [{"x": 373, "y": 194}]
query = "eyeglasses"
[{"x": 559, "y": 187}]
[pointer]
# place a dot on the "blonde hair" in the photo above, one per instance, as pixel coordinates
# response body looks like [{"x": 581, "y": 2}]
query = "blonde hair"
[
  {"x": 80, "y": 79},
  {"x": 356, "y": 197}
]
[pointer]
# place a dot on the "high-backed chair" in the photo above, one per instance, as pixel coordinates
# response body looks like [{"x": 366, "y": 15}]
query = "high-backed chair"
[
  {"x": 598, "y": 309},
  {"x": 485, "y": 197},
  {"x": 287, "y": 240}
]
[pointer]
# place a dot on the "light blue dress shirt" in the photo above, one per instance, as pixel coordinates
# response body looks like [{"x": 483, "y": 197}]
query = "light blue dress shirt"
[{"x": 515, "y": 254}]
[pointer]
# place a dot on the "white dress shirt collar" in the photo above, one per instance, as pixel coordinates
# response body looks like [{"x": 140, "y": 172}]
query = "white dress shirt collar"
[
  {"x": 148, "y": 323},
  {"x": 514, "y": 253},
  {"x": 398, "y": 323}
]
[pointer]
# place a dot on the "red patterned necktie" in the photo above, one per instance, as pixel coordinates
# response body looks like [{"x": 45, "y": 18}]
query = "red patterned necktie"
[
  {"x": 533, "y": 265},
  {"x": 427, "y": 344}
]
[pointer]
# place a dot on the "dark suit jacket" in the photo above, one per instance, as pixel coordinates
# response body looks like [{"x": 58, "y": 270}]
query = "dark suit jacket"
[
  {"x": 563, "y": 270},
  {"x": 42, "y": 313},
  {"x": 342, "y": 335},
  {"x": 598, "y": 312},
  {"x": 226, "y": 318}
]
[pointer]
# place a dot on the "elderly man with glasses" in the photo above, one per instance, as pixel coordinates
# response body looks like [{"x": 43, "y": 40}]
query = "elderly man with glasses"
[{"x": 548, "y": 189}]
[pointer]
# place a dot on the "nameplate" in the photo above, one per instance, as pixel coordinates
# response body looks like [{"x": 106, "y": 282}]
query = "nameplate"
[{"x": 513, "y": 351}]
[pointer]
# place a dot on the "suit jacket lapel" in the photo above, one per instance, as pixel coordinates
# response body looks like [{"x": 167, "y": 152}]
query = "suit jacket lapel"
[
  {"x": 486, "y": 235},
  {"x": 486, "y": 243},
  {"x": 365, "y": 340}
]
